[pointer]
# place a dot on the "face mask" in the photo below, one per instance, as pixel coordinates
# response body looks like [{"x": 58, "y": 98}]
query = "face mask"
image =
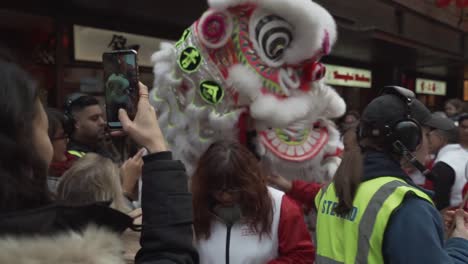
[{"x": 230, "y": 215}]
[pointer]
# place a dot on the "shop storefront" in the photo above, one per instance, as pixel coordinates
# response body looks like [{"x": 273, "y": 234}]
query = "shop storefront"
[
  {"x": 64, "y": 53},
  {"x": 431, "y": 92},
  {"x": 353, "y": 84}
]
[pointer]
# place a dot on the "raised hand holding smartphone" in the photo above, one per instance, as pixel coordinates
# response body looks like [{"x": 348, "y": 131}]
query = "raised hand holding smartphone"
[
  {"x": 144, "y": 129},
  {"x": 121, "y": 85}
]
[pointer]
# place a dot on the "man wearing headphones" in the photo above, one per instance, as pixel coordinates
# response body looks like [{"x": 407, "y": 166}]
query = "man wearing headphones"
[
  {"x": 372, "y": 212},
  {"x": 85, "y": 125}
]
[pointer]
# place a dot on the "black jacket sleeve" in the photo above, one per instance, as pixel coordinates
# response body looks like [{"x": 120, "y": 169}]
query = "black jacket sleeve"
[
  {"x": 167, "y": 236},
  {"x": 443, "y": 182}
]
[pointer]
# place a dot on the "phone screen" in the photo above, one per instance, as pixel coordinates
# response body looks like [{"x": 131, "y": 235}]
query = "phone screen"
[{"x": 121, "y": 84}]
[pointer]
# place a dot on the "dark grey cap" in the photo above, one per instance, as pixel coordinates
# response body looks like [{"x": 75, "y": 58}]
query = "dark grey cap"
[{"x": 389, "y": 109}]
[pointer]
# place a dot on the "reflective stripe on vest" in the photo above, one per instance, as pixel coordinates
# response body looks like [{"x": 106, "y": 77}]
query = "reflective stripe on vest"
[
  {"x": 358, "y": 237},
  {"x": 79, "y": 154}
]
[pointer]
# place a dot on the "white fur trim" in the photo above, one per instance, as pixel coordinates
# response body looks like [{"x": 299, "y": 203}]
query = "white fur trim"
[
  {"x": 281, "y": 113},
  {"x": 244, "y": 81},
  {"x": 335, "y": 105},
  {"x": 330, "y": 167},
  {"x": 93, "y": 245},
  {"x": 224, "y": 122},
  {"x": 309, "y": 19}
]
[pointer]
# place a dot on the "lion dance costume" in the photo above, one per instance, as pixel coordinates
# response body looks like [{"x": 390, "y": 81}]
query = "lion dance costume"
[{"x": 253, "y": 65}]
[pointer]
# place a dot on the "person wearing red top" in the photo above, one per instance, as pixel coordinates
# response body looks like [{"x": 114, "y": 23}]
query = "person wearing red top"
[
  {"x": 465, "y": 192},
  {"x": 238, "y": 219},
  {"x": 61, "y": 160},
  {"x": 301, "y": 192}
]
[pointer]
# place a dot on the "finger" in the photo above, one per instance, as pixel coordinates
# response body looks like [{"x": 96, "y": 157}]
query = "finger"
[
  {"x": 118, "y": 133},
  {"x": 125, "y": 120},
  {"x": 140, "y": 153},
  {"x": 143, "y": 90},
  {"x": 450, "y": 213},
  {"x": 136, "y": 213},
  {"x": 460, "y": 219}
]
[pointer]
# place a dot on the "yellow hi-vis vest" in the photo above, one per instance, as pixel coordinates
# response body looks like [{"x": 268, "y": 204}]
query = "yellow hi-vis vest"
[
  {"x": 358, "y": 237},
  {"x": 78, "y": 154}
]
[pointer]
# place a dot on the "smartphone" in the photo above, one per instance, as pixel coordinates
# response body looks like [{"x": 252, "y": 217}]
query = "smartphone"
[{"x": 120, "y": 84}]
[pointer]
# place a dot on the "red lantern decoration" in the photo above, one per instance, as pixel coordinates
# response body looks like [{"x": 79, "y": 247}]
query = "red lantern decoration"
[
  {"x": 462, "y": 3},
  {"x": 443, "y": 3}
]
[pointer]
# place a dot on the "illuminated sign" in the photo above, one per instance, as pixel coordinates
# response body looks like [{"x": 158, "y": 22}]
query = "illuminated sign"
[
  {"x": 346, "y": 76},
  {"x": 91, "y": 43},
  {"x": 433, "y": 87}
]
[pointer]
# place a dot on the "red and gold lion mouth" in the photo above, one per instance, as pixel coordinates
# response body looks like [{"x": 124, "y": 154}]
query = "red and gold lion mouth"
[{"x": 292, "y": 145}]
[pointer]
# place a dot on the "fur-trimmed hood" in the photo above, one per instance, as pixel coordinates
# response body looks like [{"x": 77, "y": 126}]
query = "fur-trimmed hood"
[{"x": 94, "y": 245}]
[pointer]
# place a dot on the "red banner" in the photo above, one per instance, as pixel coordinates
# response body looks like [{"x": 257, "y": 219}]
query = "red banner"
[
  {"x": 445, "y": 3},
  {"x": 462, "y": 3}
]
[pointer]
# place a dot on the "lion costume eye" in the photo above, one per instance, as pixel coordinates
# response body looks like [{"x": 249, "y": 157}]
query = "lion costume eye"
[{"x": 272, "y": 36}]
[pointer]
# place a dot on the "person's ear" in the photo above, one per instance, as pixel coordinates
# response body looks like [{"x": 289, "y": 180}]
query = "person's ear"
[{"x": 77, "y": 124}]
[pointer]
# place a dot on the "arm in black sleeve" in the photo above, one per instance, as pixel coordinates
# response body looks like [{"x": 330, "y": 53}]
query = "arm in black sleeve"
[
  {"x": 443, "y": 182},
  {"x": 167, "y": 236}
]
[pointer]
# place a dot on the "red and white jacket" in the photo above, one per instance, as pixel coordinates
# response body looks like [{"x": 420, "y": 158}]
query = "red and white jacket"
[{"x": 289, "y": 242}]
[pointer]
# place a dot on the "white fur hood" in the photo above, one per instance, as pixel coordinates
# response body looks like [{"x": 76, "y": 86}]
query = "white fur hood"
[{"x": 92, "y": 246}]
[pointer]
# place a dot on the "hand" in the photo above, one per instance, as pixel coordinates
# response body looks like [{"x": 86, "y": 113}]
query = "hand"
[
  {"x": 131, "y": 172},
  {"x": 280, "y": 182},
  {"x": 137, "y": 216},
  {"x": 144, "y": 130},
  {"x": 458, "y": 222}
]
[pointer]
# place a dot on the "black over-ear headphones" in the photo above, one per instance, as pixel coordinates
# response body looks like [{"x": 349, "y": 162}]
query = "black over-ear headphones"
[
  {"x": 405, "y": 134},
  {"x": 69, "y": 123}
]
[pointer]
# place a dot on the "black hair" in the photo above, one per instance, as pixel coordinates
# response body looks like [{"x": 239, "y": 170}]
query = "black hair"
[
  {"x": 82, "y": 102},
  {"x": 56, "y": 121},
  {"x": 22, "y": 171}
]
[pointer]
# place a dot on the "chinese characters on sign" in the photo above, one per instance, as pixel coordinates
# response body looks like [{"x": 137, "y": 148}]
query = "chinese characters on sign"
[
  {"x": 119, "y": 42},
  {"x": 346, "y": 76},
  {"x": 426, "y": 86},
  {"x": 90, "y": 43}
]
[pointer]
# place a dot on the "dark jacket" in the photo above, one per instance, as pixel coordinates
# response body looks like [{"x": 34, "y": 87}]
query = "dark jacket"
[
  {"x": 167, "y": 213},
  {"x": 52, "y": 234},
  {"x": 415, "y": 232}
]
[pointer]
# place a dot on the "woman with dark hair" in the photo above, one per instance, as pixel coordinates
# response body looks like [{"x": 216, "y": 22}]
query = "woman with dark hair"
[
  {"x": 61, "y": 159},
  {"x": 26, "y": 150},
  {"x": 372, "y": 212},
  {"x": 33, "y": 230},
  {"x": 237, "y": 218}
]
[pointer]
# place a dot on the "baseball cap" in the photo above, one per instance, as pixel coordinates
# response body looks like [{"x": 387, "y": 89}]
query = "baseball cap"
[{"x": 390, "y": 108}]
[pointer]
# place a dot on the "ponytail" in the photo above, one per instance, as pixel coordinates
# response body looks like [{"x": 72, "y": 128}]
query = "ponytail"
[{"x": 349, "y": 174}]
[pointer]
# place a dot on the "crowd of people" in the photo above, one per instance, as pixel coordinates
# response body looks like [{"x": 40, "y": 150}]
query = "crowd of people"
[{"x": 66, "y": 195}]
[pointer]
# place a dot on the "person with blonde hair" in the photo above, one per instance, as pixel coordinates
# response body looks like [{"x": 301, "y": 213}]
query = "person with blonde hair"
[
  {"x": 95, "y": 178},
  {"x": 91, "y": 179}
]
